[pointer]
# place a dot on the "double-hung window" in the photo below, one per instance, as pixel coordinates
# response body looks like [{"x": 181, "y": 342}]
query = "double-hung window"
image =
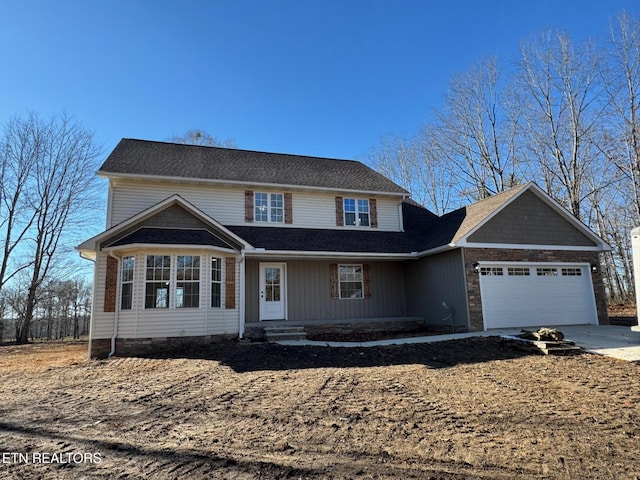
[
  {"x": 187, "y": 281},
  {"x": 158, "y": 277},
  {"x": 126, "y": 286},
  {"x": 216, "y": 282},
  {"x": 268, "y": 207},
  {"x": 356, "y": 212},
  {"x": 350, "y": 281}
]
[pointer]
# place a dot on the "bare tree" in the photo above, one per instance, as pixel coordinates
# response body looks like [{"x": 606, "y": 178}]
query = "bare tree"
[
  {"x": 416, "y": 165},
  {"x": 200, "y": 137},
  {"x": 563, "y": 108},
  {"x": 18, "y": 153},
  {"x": 622, "y": 84},
  {"x": 476, "y": 131},
  {"x": 61, "y": 156}
]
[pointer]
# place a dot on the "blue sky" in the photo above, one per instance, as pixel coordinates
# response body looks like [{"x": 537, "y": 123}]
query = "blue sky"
[{"x": 315, "y": 77}]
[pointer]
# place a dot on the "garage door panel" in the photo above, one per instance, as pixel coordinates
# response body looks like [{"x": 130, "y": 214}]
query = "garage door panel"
[{"x": 520, "y": 297}]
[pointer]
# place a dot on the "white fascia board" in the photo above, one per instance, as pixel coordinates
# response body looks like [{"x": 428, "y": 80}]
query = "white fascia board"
[
  {"x": 517, "y": 246},
  {"x": 244, "y": 184},
  {"x": 313, "y": 254},
  {"x": 86, "y": 254},
  {"x": 433, "y": 251}
]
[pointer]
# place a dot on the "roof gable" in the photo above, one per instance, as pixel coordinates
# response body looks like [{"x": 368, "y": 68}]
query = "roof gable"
[
  {"x": 141, "y": 158},
  {"x": 173, "y": 213},
  {"x": 511, "y": 218},
  {"x": 529, "y": 220}
]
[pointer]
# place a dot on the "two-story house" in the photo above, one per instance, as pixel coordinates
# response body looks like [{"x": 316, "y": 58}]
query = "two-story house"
[{"x": 208, "y": 242}]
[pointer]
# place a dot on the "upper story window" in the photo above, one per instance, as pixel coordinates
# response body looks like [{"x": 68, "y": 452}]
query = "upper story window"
[
  {"x": 356, "y": 212},
  {"x": 269, "y": 207}
]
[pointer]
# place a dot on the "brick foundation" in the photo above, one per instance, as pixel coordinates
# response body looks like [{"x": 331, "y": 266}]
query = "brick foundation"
[
  {"x": 256, "y": 332},
  {"x": 131, "y": 347},
  {"x": 472, "y": 255}
]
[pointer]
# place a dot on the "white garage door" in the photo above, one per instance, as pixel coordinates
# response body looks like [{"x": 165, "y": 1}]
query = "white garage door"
[{"x": 528, "y": 295}]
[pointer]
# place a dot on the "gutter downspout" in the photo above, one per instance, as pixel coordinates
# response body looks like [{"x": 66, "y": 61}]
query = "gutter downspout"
[
  {"x": 242, "y": 295},
  {"x": 93, "y": 303},
  {"x": 116, "y": 317}
]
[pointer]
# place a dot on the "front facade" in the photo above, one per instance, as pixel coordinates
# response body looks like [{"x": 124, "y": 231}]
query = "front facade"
[{"x": 206, "y": 243}]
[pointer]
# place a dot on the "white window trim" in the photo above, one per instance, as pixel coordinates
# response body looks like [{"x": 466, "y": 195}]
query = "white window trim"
[
  {"x": 176, "y": 281},
  {"x": 146, "y": 282},
  {"x": 131, "y": 282},
  {"x": 221, "y": 282},
  {"x": 357, "y": 212},
  {"x": 173, "y": 282},
  {"x": 361, "y": 297},
  {"x": 269, "y": 207}
]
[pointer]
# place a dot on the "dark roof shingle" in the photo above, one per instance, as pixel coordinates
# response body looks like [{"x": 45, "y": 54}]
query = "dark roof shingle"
[
  {"x": 142, "y": 157},
  {"x": 170, "y": 236}
]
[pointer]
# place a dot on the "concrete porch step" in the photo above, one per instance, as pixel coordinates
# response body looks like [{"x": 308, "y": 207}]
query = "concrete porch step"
[{"x": 275, "y": 334}]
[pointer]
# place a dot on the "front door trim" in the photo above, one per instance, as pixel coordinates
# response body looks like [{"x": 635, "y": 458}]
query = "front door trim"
[{"x": 270, "y": 309}]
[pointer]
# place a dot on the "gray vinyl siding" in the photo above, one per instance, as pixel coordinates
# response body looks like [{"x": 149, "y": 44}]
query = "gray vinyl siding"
[
  {"x": 530, "y": 221},
  {"x": 309, "y": 292},
  {"x": 433, "y": 280}
]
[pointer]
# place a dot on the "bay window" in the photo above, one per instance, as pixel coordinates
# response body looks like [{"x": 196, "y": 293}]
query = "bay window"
[
  {"x": 216, "y": 282},
  {"x": 157, "y": 280},
  {"x": 126, "y": 283},
  {"x": 187, "y": 281}
]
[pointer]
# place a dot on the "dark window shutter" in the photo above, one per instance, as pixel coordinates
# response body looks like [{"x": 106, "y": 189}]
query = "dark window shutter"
[
  {"x": 248, "y": 206},
  {"x": 230, "y": 284},
  {"x": 339, "y": 212},
  {"x": 288, "y": 208},
  {"x": 111, "y": 285},
  {"x": 366, "y": 280},
  {"x": 335, "y": 288},
  {"x": 373, "y": 213}
]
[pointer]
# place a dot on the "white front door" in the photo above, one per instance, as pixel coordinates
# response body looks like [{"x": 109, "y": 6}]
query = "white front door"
[{"x": 273, "y": 291}]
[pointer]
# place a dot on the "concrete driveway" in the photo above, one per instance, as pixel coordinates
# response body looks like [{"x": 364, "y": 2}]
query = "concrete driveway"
[{"x": 610, "y": 340}]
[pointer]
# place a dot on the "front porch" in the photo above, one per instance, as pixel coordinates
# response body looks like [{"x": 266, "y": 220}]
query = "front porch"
[{"x": 338, "y": 327}]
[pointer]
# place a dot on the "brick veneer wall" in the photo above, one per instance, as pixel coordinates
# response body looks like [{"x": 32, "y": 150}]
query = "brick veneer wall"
[{"x": 472, "y": 255}]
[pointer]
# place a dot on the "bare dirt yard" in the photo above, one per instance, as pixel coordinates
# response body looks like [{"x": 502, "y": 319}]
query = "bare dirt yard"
[{"x": 479, "y": 408}]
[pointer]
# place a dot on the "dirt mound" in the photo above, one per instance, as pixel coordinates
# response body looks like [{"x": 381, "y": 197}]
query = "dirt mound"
[{"x": 475, "y": 408}]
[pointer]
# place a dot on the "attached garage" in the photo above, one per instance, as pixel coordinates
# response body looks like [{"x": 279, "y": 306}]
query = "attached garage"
[{"x": 517, "y": 294}]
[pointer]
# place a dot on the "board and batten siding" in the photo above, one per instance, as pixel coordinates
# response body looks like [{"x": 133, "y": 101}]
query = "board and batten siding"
[
  {"x": 436, "y": 279},
  {"x": 309, "y": 292},
  {"x": 160, "y": 322},
  {"x": 227, "y": 204}
]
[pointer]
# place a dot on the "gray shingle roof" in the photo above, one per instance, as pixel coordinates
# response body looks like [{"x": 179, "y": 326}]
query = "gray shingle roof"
[
  {"x": 142, "y": 157},
  {"x": 170, "y": 236}
]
